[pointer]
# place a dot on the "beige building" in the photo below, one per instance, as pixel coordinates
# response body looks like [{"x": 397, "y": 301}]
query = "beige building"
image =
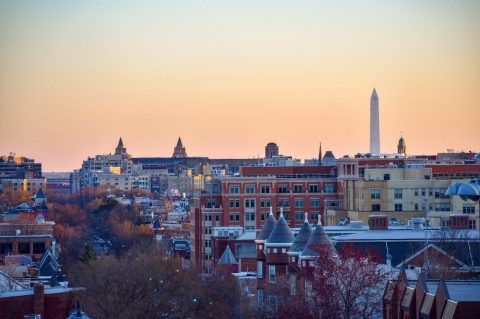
[
  {"x": 398, "y": 192},
  {"x": 24, "y": 184}
]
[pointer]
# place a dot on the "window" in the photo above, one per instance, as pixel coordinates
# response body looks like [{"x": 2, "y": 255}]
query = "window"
[
  {"x": 375, "y": 207},
  {"x": 265, "y": 189},
  {"x": 299, "y": 216},
  {"x": 430, "y": 192},
  {"x": 285, "y": 202},
  {"x": 285, "y": 215},
  {"x": 398, "y": 207},
  {"x": 416, "y": 191},
  {"x": 282, "y": 189},
  {"x": 416, "y": 206},
  {"x": 313, "y": 188},
  {"x": 472, "y": 224},
  {"x": 259, "y": 269},
  {"x": 249, "y": 203},
  {"x": 208, "y": 217},
  {"x": 423, "y": 192},
  {"x": 280, "y": 202},
  {"x": 297, "y": 188},
  {"x": 265, "y": 203},
  {"x": 38, "y": 248},
  {"x": 217, "y": 217},
  {"x": 231, "y": 203},
  {"x": 234, "y": 189},
  {"x": 315, "y": 215},
  {"x": 398, "y": 193},
  {"x": 237, "y": 217},
  {"x": 298, "y": 202},
  {"x": 24, "y": 248},
  {"x": 271, "y": 274},
  {"x": 250, "y": 189},
  {"x": 386, "y": 177},
  {"x": 210, "y": 203},
  {"x": 440, "y": 193},
  {"x": 260, "y": 297},
  {"x": 375, "y": 193},
  {"x": 263, "y": 216},
  {"x": 442, "y": 207},
  {"x": 250, "y": 216},
  {"x": 314, "y": 202},
  {"x": 293, "y": 286},
  {"x": 329, "y": 188},
  {"x": 468, "y": 208},
  {"x": 232, "y": 217}
]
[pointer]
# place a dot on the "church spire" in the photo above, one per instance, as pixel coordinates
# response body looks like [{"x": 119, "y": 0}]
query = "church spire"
[
  {"x": 179, "y": 151},
  {"x": 120, "y": 149}
]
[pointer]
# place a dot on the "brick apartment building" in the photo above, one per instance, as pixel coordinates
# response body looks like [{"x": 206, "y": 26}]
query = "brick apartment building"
[{"x": 246, "y": 200}]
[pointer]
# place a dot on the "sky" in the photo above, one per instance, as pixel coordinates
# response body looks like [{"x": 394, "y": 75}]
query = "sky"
[{"x": 231, "y": 76}]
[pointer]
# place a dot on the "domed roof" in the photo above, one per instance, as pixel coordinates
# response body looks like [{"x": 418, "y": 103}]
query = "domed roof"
[
  {"x": 302, "y": 238},
  {"x": 318, "y": 241},
  {"x": 267, "y": 227},
  {"x": 281, "y": 233},
  {"x": 401, "y": 141}
]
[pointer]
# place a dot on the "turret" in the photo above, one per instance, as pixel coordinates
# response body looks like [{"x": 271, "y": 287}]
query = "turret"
[
  {"x": 300, "y": 241},
  {"x": 260, "y": 243},
  {"x": 276, "y": 247},
  {"x": 318, "y": 245}
]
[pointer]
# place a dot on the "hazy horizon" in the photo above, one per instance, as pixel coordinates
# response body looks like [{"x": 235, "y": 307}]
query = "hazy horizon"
[{"x": 231, "y": 77}]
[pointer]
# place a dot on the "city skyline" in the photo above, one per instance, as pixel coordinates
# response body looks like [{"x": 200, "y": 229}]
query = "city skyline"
[{"x": 229, "y": 78}]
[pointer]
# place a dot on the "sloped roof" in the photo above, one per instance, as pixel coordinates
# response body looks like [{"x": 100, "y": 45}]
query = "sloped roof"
[
  {"x": 317, "y": 240},
  {"x": 302, "y": 238},
  {"x": 227, "y": 257},
  {"x": 40, "y": 194},
  {"x": 267, "y": 228},
  {"x": 281, "y": 233}
]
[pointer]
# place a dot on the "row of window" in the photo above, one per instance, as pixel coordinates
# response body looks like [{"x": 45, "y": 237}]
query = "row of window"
[
  {"x": 266, "y": 203},
  {"x": 439, "y": 207},
  {"x": 282, "y": 189},
  {"x": 375, "y": 193},
  {"x": 263, "y": 216}
]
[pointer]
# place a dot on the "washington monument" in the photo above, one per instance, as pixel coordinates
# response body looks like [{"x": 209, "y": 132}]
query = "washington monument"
[{"x": 374, "y": 124}]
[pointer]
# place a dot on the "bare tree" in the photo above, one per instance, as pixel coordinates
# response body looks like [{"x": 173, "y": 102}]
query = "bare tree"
[{"x": 152, "y": 286}]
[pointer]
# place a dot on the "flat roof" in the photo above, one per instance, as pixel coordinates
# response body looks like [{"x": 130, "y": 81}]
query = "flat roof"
[{"x": 400, "y": 235}]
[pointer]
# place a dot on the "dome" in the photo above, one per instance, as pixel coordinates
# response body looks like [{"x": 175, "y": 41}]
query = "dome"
[
  {"x": 401, "y": 141},
  {"x": 469, "y": 191}
]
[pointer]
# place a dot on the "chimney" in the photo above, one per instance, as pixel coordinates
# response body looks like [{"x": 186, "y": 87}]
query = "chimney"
[
  {"x": 377, "y": 222},
  {"x": 38, "y": 299}
]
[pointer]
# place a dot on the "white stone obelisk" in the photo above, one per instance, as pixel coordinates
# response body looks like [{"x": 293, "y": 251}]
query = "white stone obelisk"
[{"x": 374, "y": 124}]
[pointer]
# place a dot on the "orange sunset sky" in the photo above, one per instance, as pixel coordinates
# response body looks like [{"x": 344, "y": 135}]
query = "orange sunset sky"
[{"x": 231, "y": 76}]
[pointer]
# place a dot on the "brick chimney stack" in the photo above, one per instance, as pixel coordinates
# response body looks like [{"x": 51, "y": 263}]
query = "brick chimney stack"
[{"x": 38, "y": 299}]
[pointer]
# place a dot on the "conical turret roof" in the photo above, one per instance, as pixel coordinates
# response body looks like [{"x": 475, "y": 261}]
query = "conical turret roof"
[
  {"x": 302, "y": 238},
  {"x": 267, "y": 227},
  {"x": 318, "y": 241},
  {"x": 120, "y": 143},
  {"x": 227, "y": 258},
  {"x": 40, "y": 194},
  {"x": 281, "y": 233}
]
